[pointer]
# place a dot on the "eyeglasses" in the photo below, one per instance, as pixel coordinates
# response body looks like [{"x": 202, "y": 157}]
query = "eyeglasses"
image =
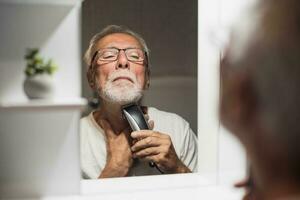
[{"x": 111, "y": 54}]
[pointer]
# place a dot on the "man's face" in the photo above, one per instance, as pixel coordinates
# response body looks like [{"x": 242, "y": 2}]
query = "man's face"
[{"x": 120, "y": 81}]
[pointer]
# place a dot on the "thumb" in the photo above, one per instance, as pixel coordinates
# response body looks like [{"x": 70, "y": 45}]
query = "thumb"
[{"x": 151, "y": 124}]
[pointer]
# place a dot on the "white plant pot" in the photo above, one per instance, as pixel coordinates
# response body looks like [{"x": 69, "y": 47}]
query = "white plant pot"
[{"x": 40, "y": 86}]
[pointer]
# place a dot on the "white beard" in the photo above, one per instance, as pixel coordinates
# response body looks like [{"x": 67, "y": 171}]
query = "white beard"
[{"x": 121, "y": 92}]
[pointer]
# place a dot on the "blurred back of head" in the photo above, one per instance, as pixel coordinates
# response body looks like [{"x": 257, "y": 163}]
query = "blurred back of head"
[{"x": 267, "y": 46}]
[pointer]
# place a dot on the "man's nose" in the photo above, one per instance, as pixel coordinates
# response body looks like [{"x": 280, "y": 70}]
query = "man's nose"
[{"x": 122, "y": 60}]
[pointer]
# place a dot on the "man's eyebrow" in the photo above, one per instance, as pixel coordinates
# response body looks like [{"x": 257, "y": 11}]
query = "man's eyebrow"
[
  {"x": 110, "y": 47},
  {"x": 114, "y": 47}
]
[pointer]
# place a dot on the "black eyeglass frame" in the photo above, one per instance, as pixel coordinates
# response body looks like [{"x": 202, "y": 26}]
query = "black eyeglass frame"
[{"x": 145, "y": 60}]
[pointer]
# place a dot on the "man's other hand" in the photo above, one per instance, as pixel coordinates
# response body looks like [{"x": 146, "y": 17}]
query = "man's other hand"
[{"x": 119, "y": 157}]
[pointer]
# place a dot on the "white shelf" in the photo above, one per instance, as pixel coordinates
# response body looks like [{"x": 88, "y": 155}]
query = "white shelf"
[
  {"x": 74, "y": 103},
  {"x": 30, "y": 23},
  {"x": 44, "y": 2}
]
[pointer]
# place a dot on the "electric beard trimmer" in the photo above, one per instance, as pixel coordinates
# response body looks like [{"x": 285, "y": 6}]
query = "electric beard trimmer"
[{"x": 135, "y": 117}]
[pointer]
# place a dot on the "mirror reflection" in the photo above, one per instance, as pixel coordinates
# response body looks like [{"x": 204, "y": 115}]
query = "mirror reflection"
[{"x": 143, "y": 103}]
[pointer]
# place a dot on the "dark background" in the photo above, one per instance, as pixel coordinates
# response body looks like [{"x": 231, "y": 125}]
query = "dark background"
[{"x": 170, "y": 30}]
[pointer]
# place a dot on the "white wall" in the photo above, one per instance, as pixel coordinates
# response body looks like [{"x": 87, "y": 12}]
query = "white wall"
[
  {"x": 53, "y": 28},
  {"x": 39, "y": 153},
  {"x": 219, "y": 149},
  {"x": 208, "y": 89},
  {"x": 39, "y": 139},
  {"x": 65, "y": 47}
]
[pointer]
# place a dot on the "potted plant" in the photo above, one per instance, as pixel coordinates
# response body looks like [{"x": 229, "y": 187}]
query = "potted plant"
[{"x": 38, "y": 83}]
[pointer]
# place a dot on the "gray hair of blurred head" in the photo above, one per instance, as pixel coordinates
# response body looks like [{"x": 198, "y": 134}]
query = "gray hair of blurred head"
[{"x": 266, "y": 47}]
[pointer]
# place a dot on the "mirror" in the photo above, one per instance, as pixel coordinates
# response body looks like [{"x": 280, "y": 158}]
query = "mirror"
[{"x": 170, "y": 31}]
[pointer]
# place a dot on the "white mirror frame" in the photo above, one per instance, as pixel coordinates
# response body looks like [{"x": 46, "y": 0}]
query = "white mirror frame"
[
  {"x": 209, "y": 172},
  {"x": 208, "y": 95}
]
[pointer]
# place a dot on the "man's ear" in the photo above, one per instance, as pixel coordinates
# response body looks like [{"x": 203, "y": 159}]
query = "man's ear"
[
  {"x": 239, "y": 104},
  {"x": 248, "y": 99},
  {"x": 91, "y": 78},
  {"x": 147, "y": 80},
  {"x": 147, "y": 85}
]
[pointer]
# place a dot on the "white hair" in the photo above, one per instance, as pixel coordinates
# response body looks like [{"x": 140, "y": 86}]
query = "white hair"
[
  {"x": 268, "y": 48},
  {"x": 111, "y": 29}
]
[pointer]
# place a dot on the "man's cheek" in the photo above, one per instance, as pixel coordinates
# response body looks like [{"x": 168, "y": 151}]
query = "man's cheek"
[
  {"x": 141, "y": 83},
  {"x": 141, "y": 79},
  {"x": 100, "y": 82}
]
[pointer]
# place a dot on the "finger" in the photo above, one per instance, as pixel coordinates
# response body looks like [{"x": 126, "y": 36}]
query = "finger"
[
  {"x": 146, "y": 143},
  {"x": 144, "y": 109},
  {"x": 146, "y": 152},
  {"x": 152, "y": 158},
  {"x": 107, "y": 128},
  {"x": 146, "y": 133},
  {"x": 134, "y": 141},
  {"x": 151, "y": 124},
  {"x": 146, "y": 117}
]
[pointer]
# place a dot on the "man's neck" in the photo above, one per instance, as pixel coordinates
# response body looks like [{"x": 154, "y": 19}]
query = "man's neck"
[
  {"x": 271, "y": 172},
  {"x": 112, "y": 112},
  {"x": 274, "y": 182},
  {"x": 283, "y": 190}
]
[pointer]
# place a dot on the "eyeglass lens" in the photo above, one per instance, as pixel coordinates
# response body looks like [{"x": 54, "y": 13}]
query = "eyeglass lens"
[{"x": 111, "y": 54}]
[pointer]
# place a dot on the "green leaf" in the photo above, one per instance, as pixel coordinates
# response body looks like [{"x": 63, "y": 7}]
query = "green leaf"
[
  {"x": 37, "y": 65},
  {"x": 31, "y": 53},
  {"x": 30, "y": 71}
]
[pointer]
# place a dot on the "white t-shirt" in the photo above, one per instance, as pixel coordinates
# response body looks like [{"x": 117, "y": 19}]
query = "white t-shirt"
[{"x": 93, "y": 146}]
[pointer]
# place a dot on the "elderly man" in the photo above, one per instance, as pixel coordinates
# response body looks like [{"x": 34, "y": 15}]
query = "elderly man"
[
  {"x": 260, "y": 96},
  {"x": 118, "y": 61}
]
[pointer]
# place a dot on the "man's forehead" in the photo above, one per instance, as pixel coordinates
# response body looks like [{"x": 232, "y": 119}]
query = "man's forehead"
[{"x": 118, "y": 40}]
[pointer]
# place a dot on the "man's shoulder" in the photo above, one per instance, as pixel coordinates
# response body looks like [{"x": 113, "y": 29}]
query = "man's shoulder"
[
  {"x": 88, "y": 126},
  {"x": 85, "y": 119},
  {"x": 88, "y": 122},
  {"x": 157, "y": 113}
]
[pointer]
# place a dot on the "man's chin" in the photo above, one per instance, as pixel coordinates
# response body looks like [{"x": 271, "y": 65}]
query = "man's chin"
[
  {"x": 122, "y": 101},
  {"x": 121, "y": 95},
  {"x": 125, "y": 102},
  {"x": 122, "y": 98},
  {"x": 123, "y": 86}
]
